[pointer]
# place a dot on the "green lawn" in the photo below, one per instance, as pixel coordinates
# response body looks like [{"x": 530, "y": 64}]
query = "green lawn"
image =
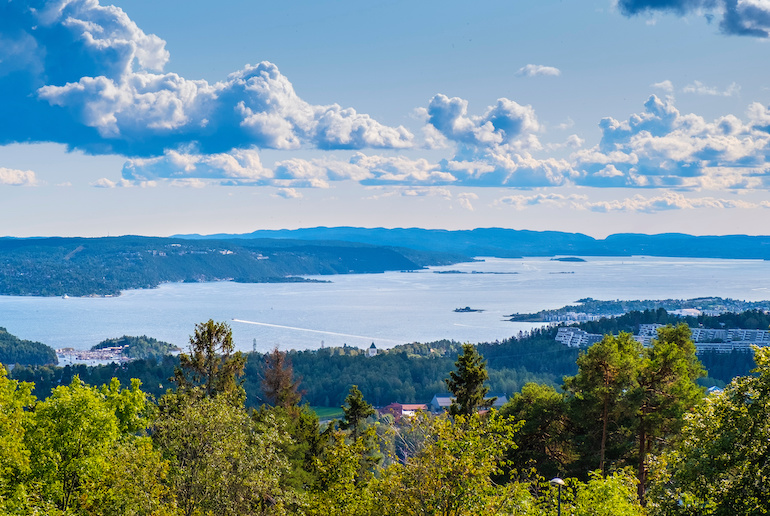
[{"x": 325, "y": 413}]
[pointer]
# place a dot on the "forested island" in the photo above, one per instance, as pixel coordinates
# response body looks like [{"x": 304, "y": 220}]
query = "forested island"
[{"x": 106, "y": 266}]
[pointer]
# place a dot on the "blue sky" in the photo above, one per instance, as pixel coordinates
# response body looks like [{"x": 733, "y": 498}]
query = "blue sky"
[{"x": 593, "y": 116}]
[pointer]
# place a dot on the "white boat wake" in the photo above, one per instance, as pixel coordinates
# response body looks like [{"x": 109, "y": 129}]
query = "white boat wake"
[{"x": 373, "y": 339}]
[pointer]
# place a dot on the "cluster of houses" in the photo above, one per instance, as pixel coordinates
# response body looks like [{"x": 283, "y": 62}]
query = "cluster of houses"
[
  {"x": 706, "y": 339},
  {"x": 109, "y": 354},
  {"x": 439, "y": 404}
]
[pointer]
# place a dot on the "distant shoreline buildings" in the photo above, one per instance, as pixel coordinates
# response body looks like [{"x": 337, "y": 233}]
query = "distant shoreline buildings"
[{"x": 706, "y": 339}]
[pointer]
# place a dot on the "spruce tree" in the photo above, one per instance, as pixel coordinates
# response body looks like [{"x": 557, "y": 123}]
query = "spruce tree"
[{"x": 467, "y": 383}]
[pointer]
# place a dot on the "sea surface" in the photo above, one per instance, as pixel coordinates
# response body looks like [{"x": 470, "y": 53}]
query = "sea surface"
[{"x": 385, "y": 309}]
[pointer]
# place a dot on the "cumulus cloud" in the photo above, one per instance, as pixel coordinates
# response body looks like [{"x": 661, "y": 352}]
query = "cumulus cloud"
[
  {"x": 738, "y": 17},
  {"x": 701, "y": 89},
  {"x": 86, "y": 75},
  {"x": 465, "y": 199},
  {"x": 669, "y": 201},
  {"x": 13, "y": 177},
  {"x": 532, "y": 70},
  {"x": 662, "y": 147},
  {"x": 106, "y": 183},
  {"x": 289, "y": 193},
  {"x": 235, "y": 167},
  {"x": 520, "y": 202},
  {"x": 500, "y": 124},
  {"x": 666, "y": 86}
]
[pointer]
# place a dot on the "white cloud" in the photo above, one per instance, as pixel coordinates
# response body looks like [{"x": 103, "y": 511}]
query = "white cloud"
[
  {"x": 662, "y": 147},
  {"x": 669, "y": 201},
  {"x": 10, "y": 176},
  {"x": 701, "y": 89},
  {"x": 520, "y": 202},
  {"x": 107, "y": 93},
  {"x": 288, "y": 193},
  {"x": 501, "y": 124},
  {"x": 465, "y": 200},
  {"x": 240, "y": 166},
  {"x": 666, "y": 86},
  {"x": 106, "y": 183},
  {"x": 532, "y": 70}
]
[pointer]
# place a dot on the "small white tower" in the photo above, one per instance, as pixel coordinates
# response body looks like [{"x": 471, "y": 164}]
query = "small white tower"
[{"x": 372, "y": 351}]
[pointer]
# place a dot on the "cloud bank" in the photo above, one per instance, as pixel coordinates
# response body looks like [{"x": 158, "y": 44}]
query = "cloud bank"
[
  {"x": 738, "y": 17},
  {"x": 83, "y": 74}
]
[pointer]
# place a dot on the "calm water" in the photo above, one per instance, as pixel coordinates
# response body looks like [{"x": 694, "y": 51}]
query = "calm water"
[{"x": 386, "y": 309}]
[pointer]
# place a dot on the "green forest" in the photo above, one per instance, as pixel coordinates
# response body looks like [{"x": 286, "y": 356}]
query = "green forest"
[
  {"x": 106, "y": 266},
  {"x": 629, "y": 432}
]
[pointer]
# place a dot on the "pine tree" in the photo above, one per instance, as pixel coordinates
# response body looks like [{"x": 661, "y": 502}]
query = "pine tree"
[
  {"x": 212, "y": 367},
  {"x": 278, "y": 383},
  {"x": 467, "y": 383}
]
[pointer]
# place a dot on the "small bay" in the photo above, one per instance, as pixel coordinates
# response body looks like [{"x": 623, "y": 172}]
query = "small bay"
[{"x": 387, "y": 309}]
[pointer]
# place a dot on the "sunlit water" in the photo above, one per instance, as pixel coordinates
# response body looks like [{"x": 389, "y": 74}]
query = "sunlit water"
[{"x": 386, "y": 309}]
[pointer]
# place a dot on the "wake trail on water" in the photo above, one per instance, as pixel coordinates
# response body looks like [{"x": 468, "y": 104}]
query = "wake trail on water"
[{"x": 318, "y": 331}]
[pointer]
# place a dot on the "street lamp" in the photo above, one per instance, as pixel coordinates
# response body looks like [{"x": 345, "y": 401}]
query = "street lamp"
[{"x": 558, "y": 482}]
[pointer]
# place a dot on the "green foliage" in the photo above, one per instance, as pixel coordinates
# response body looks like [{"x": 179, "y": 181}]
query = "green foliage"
[
  {"x": 14, "y": 350},
  {"x": 600, "y": 495},
  {"x": 356, "y": 410},
  {"x": 105, "y": 266},
  {"x": 607, "y": 374},
  {"x": 450, "y": 470},
  {"x": 278, "y": 383},
  {"x": 666, "y": 391},
  {"x": 221, "y": 461},
  {"x": 341, "y": 489},
  {"x": 719, "y": 465},
  {"x": 545, "y": 440},
  {"x": 71, "y": 434},
  {"x": 212, "y": 367},
  {"x": 15, "y": 399},
  {"x": 467, "y": 383}
]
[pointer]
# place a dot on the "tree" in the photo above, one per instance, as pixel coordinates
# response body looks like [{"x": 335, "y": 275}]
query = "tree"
[
  {"x": 607, "y": 373},
  {"x": 543, "y": 441},
  {"x": 356, "y": 410},
  {"x": 450, "y": 474},
  {"x": 15, "y": 398},
  {"x": 665, "y": 392},
  {"x": 719, "y": 465},
  {"x": 70, "y": 436},
  {"x": 212, "y": 365},
  {"x": 278, "y": 383},
  {"x": 221, "y": 461},
  {"x": 467, "y": 383}
]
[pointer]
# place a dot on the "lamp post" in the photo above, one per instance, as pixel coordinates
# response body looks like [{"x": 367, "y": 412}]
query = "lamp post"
[{"x": 558, "y": 482}]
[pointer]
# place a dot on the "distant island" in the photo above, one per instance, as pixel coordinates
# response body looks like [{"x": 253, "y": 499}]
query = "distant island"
[
  {"x": 468, "y": 309},
  {"x": 568, "y": 259}
]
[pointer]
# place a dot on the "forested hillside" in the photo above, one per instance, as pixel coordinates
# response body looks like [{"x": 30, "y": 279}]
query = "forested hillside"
[
  {"x": 14, "y": 350},
  {"x": 511, "y": 243},
  {"x": 105, "y": 266}
]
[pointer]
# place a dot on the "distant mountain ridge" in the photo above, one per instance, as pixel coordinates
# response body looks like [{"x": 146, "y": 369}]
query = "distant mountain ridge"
[{"x": 512, "y": 243}]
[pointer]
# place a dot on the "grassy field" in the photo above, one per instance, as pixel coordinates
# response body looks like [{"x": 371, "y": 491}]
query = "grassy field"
[{"x": 326, "y": 413}]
